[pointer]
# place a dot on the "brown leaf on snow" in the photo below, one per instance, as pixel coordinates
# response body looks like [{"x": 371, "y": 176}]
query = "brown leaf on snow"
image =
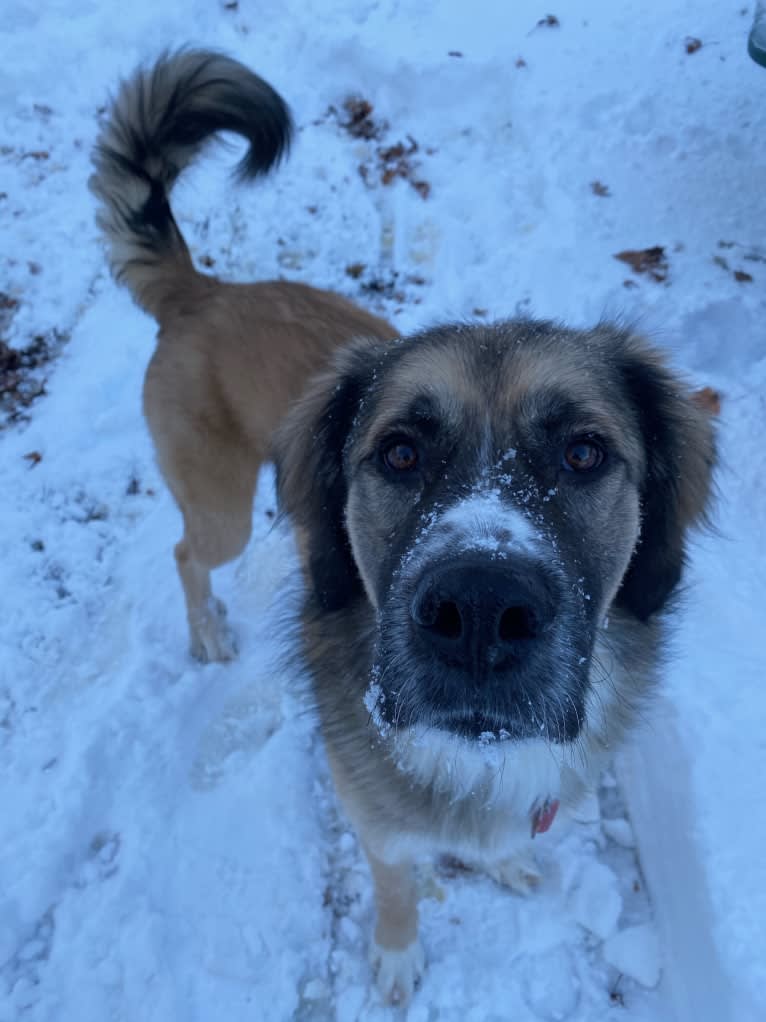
[
  {"x": 360, "y": 123},
  {"x": 599, "y": 189},
  {"x": 355, "y": 270},
  {"x": 742, "y": 277},
  {"x": 391, "y": 161},
  {"x": 692, "y": 44},
  {"x": 651, "y": 261},
  {"x": 34, "y": 458},
  {"x": 395, "y": 161},
  {"x": 708, "y": 399},
  {"x": 549, "y": 21},
  {"x": 398, "y": 150},
  {"x": 20, "y": 385},
  {"x": 520, "y": 62}
]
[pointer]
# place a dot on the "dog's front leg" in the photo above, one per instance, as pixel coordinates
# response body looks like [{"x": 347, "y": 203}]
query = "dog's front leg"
[{"x": 396, "y": 952}]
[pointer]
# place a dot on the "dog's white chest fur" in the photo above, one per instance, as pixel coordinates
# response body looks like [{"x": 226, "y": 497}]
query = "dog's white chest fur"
[{"x": 488, "y": 791}]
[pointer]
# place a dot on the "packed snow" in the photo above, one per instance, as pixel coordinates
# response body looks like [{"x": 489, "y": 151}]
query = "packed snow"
[{"x": 170, "y": 844}]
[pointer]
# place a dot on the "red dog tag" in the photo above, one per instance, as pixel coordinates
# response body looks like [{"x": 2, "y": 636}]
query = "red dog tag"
[{"x": 543, "y": 817}]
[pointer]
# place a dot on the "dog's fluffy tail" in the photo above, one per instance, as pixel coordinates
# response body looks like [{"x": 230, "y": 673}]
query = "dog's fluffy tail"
[{"x": 159, "y": 121}]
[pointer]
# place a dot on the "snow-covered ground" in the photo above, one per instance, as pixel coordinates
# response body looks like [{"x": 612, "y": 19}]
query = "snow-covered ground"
[{"x": 170, "y": 846}]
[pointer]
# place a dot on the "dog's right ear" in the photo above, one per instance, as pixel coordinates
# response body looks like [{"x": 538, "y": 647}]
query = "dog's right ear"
[{"x": 311, "y": 486}]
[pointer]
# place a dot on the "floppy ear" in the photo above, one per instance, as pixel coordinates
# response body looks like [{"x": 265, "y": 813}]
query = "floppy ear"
[
  {"x": 311, "y": 487},
  {"x": 675, "y": 492}
]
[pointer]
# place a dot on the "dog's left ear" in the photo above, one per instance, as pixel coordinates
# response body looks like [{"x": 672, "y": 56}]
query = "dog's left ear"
[
  {"x": 679, "y": 444},
  {"x": 308, "y": 451}
]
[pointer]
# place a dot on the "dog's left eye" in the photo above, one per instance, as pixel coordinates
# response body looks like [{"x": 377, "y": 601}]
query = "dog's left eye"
[
  {"x": 582, "y": 455},
  {"x": 400, "y": 456}
]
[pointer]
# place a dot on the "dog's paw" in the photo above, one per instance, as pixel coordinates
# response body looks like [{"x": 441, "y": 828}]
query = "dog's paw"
[
  {"x": 518, "y": 872},
  {"x": 398, "y": 971},
  {"x": 212, "y": 640}
]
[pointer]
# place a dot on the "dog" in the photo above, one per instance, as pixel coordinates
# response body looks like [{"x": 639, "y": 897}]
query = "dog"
[
  {"x": 230, "y": 357},
  {"x": 491, "y": 522}
]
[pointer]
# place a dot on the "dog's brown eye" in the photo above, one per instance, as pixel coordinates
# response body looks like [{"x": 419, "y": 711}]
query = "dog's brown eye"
[
  {"x": 400, "y": 456},
  {"x": 582, "y": 455}
]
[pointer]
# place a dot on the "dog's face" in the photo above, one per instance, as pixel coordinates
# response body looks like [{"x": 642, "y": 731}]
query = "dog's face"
[{"x": 491, "y": 492}]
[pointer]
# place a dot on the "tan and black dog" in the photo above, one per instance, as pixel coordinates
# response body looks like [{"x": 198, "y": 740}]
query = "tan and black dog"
[
  {"x": 230, "y": 357},
  {"x": 491, "y": 522}
]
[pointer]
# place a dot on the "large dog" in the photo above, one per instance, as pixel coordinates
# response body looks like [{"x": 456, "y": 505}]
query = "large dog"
[
  {"x": 491, "y": 521},
  {"x": 230, "y": 357}
]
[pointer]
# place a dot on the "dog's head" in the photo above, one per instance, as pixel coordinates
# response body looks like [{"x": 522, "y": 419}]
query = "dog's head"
[{"x": 492, "y": 491}]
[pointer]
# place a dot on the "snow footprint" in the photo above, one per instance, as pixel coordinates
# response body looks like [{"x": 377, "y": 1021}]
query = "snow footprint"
[{"x": 243, "y": 726}]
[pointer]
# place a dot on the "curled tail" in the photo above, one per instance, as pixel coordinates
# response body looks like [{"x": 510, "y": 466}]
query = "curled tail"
[{"x": 159, "y": 121}]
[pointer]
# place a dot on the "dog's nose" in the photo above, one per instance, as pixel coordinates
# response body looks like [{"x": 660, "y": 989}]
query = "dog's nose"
[{"x": 483, "y": 616}]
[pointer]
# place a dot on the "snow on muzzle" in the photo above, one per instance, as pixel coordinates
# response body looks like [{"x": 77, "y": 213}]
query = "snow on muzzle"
[{"x": 482, "y": 611}]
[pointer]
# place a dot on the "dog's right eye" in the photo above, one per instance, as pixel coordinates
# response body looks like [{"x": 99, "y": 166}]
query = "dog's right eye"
[{"x": 400, "y": 455}]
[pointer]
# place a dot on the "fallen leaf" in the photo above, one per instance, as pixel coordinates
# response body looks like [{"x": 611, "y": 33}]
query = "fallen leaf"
[
  {"x": 355, "y": 270},
  {"x": 34, "y": 458},
  {"x": 599, "y": 189},
  {"x": 360, "y": 123},
  {"x": 520, "y": 62},
  {"x": 708, "y": 399},
  {"x": 742, "y": 277},
  {"x": 692, "y": 44},
  {"x": 454, "y": 53},
  {"x": 549, "y": 21},
  {"x": 651, "y": 261}
]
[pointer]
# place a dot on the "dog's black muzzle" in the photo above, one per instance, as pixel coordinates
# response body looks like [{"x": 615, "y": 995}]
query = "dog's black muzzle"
[
  {"x": 496, "y": 645},
  {"x": 483, "y": 616}
]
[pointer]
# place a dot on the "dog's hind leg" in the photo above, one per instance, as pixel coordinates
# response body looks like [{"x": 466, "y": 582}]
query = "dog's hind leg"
[
  {"x": 210, "y": 637},
  {"x": 212, "y": 537},
  {"x": 396, "y": 953}
]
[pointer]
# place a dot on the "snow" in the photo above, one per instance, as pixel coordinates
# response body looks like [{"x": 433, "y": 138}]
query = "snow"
[
  {"x": 619, "y": 830},
  {"x": 595, "y": 902},
  {"x": 635, "y": 952},
  {"x": 170, "y": 845}
]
